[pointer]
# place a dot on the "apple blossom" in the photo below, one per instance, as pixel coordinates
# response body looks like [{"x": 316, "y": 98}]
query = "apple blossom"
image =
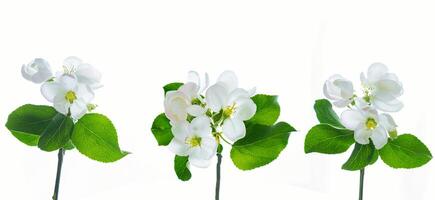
[
  {"x": 194, "y": 140},
  {"x": 339, "y": 90},
  {"x": 84, "y": 73},
  {"x": 382, "y": 88},
  {"x": 366, "y": 125},
  {"x": 236, "y": 105},
  {"x": 68, "y": 96},
  {"x": 37, "y": 71}
]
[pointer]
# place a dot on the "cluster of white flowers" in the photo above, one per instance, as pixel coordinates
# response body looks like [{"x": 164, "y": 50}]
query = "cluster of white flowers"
[
  {"x": 199, "y": 121},
  {"x": 380, "y": 92},
  {"x": 70, "y": 90}
]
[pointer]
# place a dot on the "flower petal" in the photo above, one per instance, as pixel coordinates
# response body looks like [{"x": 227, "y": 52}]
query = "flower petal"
[
  {"x": 229, "y": 79},
  {"x": 178, "y": 147},
  {"x": 352, "y": 119},
  {"x": 376, "y": 71},
  {"x": 379, "y": 137},
  {"x": 37, "y": 71},
  {"x": 68, "y": 82},
  {"x": 61, "y": 104},
  {"x": 200, "y": 126},
  {"x": 85, "y": 93},
  {"x": 234, "y": 129},
  {"x": 180, "y": 130},
  {"x": 190, "y": 89},
  {"x": 72, "y": 62},
  {"x": 196, "y": 110},
  {"x": 216, "y": 97},
  {"x": 391, "y": 106},
  {"x": 176, "y": 104},
  {"x": 387, "y": 122},
  {"x": 245, "y": 110},
  {"x": 362, "y": 135},
  {"x": 78, "y": 109},
  {"x": 50, "y": 89},
  {"x": 197, "y": 162},
  {"x": 89, "y": 75}
]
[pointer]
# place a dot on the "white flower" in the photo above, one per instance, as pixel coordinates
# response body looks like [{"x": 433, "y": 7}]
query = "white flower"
[
  {"x": 390, "y": 125},
  {"x": 84, "y": 73},
  {"x": 382, "y": 88},
  {"x": 339, "y": 90},
  {"x": 68, "y": 96},
  {"x": 235, "y": 103},
  {"x": 366, "y": 124},
  {"x": 194, "y": 140},
  {"x": 186, "y": 100},
  {"x": 37, "y": 71}
]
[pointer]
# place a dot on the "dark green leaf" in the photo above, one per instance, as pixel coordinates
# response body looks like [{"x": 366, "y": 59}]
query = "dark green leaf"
[
  {"x": 95, "y": 136},
  {"x": 69, "y": 145},
  {"x": 406, "y": 151},
  {"x": 261, "y": 145},
  {"x": 57, "y": 133},
  {"x": 171, "y": 87},
  {"x": 362, "y": 156},
  {"x": 161, "y": 130},
  {"x": 324, "y": 138},
  {"x": 181, "y": 169},
  {"x": 268, "y": 110},
  {"x": 29, "y": 121},
  {"x": 325, "y": 113}
]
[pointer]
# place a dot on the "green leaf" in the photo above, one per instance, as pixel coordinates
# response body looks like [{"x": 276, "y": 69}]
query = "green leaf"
[
  {"x": 324, "y": 138},
  {"x": 95, "y": 136},
  {"x": 268, "y": 110},
  {"x": 161, "y": 130},
  {"x": 325, "y": 113},
  {"x": 69, "y": 145},
  {"x": 171, "y": 87},
  {"x": 406, "y": 151},
  {"x": 181, "y": 169},
  {"x": 57, "y": 133},
  {"x": 28, "y": 122},
  {"x": 362, "y": 156},
  {"x": 261, "y": 145}
]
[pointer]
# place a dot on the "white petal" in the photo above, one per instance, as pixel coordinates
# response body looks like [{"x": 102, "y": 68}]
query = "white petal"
[
  {"x": 237, "y": 94},
  {"x": 178, "y": 147},
  {"x": 196, "y": 110},
  {"x": 193, "y": 77},
  {"x": 87, "y": 74},
  {"x": 199, "y": 162},
  {"x": 206, "y": 150},
  {"x": 180, "y": 130},
  {"x": 176, "y": 104},
  {"x": 387, "y": 122},
  {"x": 379, "y": 137},
  {"x": 216, "y": 97},
  {"x": 37, "y": 71},
  {"x": 245, "y": 110},
  {"x": 376, "y": 71},
  {"x": 352, "y": 119},
  {"x": 234, "y": 129},
  {"x": 190, "y": 89},
  {"x": 85, "y": 93},
  {"x": 200, "y": 126},
  {"x": 72, "y": 62},
  {"x": 229, "y": 79},
  {"x": 391, "y": 106},
  {"x": 342, "y": 103},
  {"x": 346, "y": 88},
  {"x": 362, "y": 135},
  {"x": 68, "y": 82},
  {"x": 50, "y": 89},
  {"x": 78, "y": 109},
  {"x": 60, "y": 104},
  {"x": 387, "y": 90}
]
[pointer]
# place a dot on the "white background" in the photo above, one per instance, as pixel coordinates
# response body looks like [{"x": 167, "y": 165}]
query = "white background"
[{"x": 282, "y": 47}]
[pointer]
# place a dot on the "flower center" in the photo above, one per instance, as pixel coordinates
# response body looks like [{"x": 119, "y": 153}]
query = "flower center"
[
  {"x": 229, "y": 110},
  {"x": 371, "y": 123},
  {"x": 194, "y": 141},
  {"x": 70, "y": 96}
]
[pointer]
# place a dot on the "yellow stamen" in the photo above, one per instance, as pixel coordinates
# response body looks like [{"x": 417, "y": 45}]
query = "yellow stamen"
[
  {"x": 194, "y": 141},
  {"x": 371, "y": 123},
  {"x": 70, "y": 96}
]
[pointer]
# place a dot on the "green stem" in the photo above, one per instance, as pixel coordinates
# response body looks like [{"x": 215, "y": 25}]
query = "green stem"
[
  {"x": 361, "y": 184},
  {"x": 218, "y": 175},
  {"x": 59, "y": 170}
]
